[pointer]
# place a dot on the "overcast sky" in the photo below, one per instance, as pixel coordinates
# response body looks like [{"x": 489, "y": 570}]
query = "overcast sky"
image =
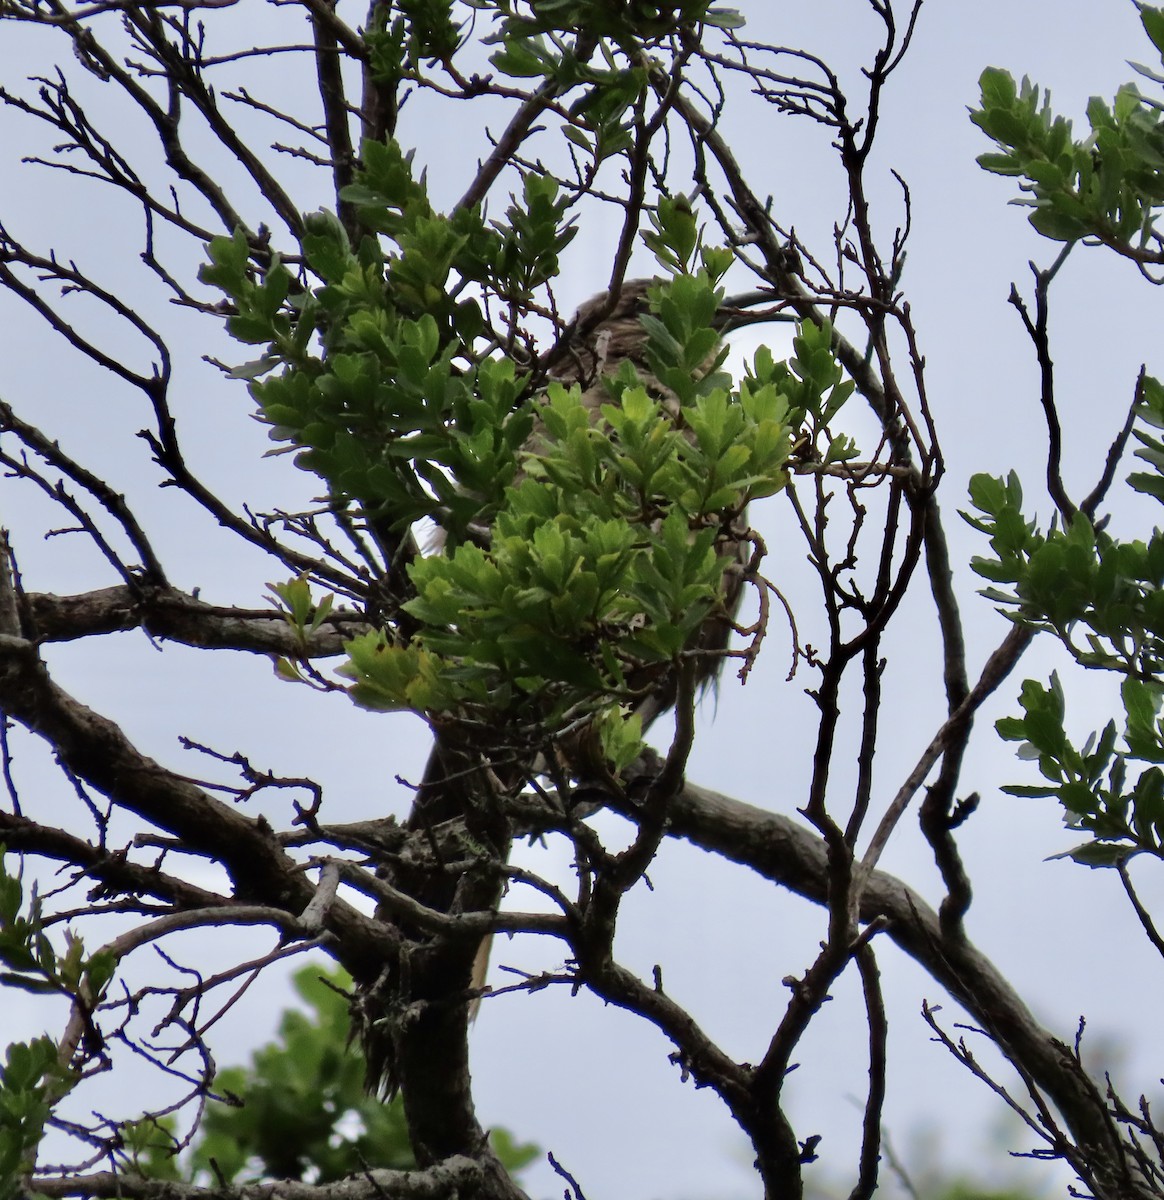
[{"x": 594, "y": 1085}]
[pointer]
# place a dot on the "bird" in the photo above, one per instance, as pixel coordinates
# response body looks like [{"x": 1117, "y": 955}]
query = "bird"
[
  {"x": 597, "y": 353},
  {"x": 604, "y": 334}
]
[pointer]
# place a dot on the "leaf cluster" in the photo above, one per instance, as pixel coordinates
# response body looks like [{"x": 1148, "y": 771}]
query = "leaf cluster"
[
  {"x": 305, "y": 617},
  {"x": 1109, "y": 184},
  {"x": 1124, "y": 815},
  {"x": 555, "y": 41},
  {"x": 420, "y": 31},
  {"x": 27, "y": 954},
  {"x": 1064, "y": 581},
  {"x": 1076, "y": 578},
  {"x": 383, "y": 383},
  {"x": 285, "y": 1112},
  {"x": 608, "y": 557},
  {"x": 623, "y": 24},
  {"x": 29, "y": 1083},
  {"x": 576, "y": 573},
  {"x": 1149, "y": 412},
  {"x": 299, "y": 1110},
  {"x": 33, "y": 1078},
  {"x": 1099, "y": 595}
]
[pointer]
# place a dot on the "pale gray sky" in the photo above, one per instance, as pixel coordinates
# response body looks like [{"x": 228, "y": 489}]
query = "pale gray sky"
[{"x": 588, "y": 1083}]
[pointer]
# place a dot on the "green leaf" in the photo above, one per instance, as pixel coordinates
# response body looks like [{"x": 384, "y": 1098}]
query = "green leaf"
[
  {"x": 998, "y": 88},
  {"x": 1097, "y": 854},
  {"x": 1152, "y": 20},
  {"x": 1141, "y": 703},
  {"x": 724, "y": 18}
]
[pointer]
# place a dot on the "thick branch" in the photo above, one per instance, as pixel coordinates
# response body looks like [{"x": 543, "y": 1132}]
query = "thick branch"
[
  {"x": 179, "y": 617},
  {"x": 117, "y": 873},
  {"x": 786, "y": 852},
  {"x": 97, "y": 751},
  {"x": 453, "y": 1177}
]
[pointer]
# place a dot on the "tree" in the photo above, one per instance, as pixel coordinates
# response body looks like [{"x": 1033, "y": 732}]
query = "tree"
[{"x": 410, "y": 337}]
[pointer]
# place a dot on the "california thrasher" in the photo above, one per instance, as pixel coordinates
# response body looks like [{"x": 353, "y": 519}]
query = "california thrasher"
[{"x": 445, "y": 795}]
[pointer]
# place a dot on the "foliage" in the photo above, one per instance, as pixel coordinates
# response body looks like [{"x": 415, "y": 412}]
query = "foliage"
[
  {"x": 1074, "y": 581},
  {"x": 36, "y": 1075},
  {"x": 1106, "y": 186},
  {"x": 300, "y": 1110},
  {"x": 601, "y": 562},
  {"x": 1091, "y": 783},
  {"x": 610, "y": 533},
  {"x": 1099, "y": 595}
]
